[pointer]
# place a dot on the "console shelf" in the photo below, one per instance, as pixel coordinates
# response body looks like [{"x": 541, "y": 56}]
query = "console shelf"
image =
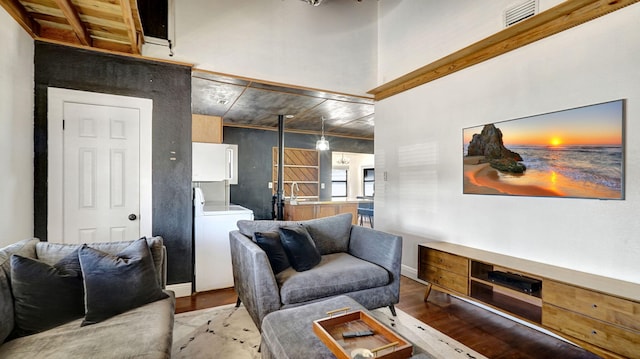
[{"x": 600, "y": 314}]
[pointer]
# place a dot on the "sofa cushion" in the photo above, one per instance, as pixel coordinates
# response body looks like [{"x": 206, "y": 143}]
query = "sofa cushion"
[
  {"x": 249, "y": 227},
  {"x": 143, "y": 332},
  {"x": 52, "y": 253},
  {"x": 26, "y": 248},
  {"x": 116, "y": 283},
  {"x": 270, "y": 244},
  {"x": 330, "y": 234},
  {"x": 299, "y": 246},
  {"x": 336, "y": 273},
  {"x": 45, "y": 296}
]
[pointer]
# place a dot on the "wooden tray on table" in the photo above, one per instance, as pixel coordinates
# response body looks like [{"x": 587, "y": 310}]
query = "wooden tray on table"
[{"x": 384, "y": 343}]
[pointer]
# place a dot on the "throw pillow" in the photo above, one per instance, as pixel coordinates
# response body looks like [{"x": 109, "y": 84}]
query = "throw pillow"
[
  {"x": 46, "y": 296},
  {"x": 114, "y": 284},
  {"x": 301, "y": 251},
  {"x": 271, "y": 245},
  {"x": 330, "y": 234}
]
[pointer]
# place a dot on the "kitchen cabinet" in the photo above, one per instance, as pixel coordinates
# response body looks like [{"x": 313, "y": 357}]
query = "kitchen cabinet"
[
  {"x": 206, "y": 128},
  {"x": 598, "y": 313},
  {"x": 214, "y": 162},
  {"x": 304, "y": 210}
]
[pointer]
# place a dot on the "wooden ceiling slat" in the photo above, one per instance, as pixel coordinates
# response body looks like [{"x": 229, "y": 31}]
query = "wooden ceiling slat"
[
  {"x": 74, "y": 20},
  {"x": 103, "y": 7},
  {"x": 120, "y": 35},
  {"x": 46, "y": 24},
  {"x": 127, "y": 16},
  {"x": 49, "y": 18},
  {"x": 37, "y": 8},
  {"x": 104, "y": 23},
  {"x": 58, "y": 34},
  {"x": 112, "y": 25},
  {"x": 111, "y": 45},
  {"x": 92, "y": 13}
]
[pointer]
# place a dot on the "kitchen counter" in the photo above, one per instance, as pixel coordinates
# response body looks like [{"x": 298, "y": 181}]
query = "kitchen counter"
[
  {"x": 310, "y": 209},
  {"x": 301, "y": 202}
]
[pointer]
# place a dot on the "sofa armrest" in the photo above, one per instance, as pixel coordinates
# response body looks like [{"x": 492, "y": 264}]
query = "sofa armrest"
[
  {"x": 381, "y": 248},
  {"x": 254, "y": 281}
]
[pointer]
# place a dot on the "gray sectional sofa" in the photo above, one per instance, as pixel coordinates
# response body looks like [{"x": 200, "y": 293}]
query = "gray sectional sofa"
[
  {"x": 144, "y": 331},
  {"x": 359, "y": 262}
]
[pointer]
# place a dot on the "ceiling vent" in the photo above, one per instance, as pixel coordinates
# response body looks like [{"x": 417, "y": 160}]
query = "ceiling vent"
[{"x": 520, "y": 12}]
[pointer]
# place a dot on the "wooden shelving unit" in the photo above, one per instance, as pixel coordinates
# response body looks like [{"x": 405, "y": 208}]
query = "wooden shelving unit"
[
  {"x": 600, "y": 314},
  {"x": 301, "y": 166}
]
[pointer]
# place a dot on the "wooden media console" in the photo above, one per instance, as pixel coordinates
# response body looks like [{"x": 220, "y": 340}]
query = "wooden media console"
[{"x": 598, "y": 313}]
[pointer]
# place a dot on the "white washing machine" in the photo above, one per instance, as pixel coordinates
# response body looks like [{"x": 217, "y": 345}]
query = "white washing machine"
[{"x": 212, "y": 223}]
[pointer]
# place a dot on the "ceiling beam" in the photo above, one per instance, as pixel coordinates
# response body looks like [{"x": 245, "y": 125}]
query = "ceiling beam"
[
  {"x": 18, "y": 12},
  {"x": 564, "y": 16},
  {"x": 127, "y": 16},
  {"x": 72, "y": 16}
]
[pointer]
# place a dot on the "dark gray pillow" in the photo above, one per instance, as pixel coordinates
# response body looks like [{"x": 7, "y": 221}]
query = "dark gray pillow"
[
  {"x": 114, "y": 284},
  {"x": 271, "y": 245},
  {"x": 45, "y": 296},
  {"x": 330, "y": 234},
  {"x": 301, "y": 251}
]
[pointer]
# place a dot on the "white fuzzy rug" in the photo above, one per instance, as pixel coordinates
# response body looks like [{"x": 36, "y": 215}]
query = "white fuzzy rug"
[{"x": 228, "y": 332}]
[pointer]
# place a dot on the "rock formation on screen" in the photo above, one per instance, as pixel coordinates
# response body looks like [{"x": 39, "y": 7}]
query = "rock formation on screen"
[{"x": 488, "y": 144}]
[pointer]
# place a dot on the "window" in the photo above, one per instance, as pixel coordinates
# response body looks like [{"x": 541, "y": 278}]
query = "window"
[
  {"x": 338, "y": 183},
  {"x": 368, "y": 182}
]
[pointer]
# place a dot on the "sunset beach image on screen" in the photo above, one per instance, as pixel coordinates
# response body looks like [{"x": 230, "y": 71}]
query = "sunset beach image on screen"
[{"x": 577, "y": 153}]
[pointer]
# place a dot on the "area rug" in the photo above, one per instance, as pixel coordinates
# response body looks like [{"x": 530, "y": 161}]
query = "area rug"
[{"x": 228, "y": 332}]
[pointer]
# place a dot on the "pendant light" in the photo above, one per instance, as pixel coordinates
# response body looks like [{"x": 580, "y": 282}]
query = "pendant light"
[{"x": 322, "y": 144}]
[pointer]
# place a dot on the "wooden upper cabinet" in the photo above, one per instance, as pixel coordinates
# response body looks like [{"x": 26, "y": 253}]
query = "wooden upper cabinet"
[{"x": 206, "y": 128}]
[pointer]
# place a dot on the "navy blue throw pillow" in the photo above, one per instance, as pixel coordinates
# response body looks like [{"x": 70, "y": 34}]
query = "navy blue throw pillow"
[
  {"x": 45, "y": 296},
  {"x": 117, "y": 283},
  {"x": 271, "y": 245},
  {"x": 301, "y": 251}
]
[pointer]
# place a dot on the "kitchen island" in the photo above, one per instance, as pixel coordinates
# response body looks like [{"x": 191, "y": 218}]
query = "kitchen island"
[{"x": 301, "y": 210}]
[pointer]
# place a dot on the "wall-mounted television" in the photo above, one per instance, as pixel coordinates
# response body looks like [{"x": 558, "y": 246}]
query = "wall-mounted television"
[{"x": 575, "y": 153}]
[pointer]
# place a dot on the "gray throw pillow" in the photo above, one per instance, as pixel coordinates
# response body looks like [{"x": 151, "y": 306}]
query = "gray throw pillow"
[
  {"x": 45, "y": 296},
  {"x": 330, "y": 234},
  {"x": 271, "y": 245},
  {"x": 117, "y": 283},
  {"x": 301, "y": 251}
]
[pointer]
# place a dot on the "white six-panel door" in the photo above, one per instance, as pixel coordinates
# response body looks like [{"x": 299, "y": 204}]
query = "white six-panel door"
[
  {"x": 101, "y": 145},
  {"x": 99, "y": 186}
]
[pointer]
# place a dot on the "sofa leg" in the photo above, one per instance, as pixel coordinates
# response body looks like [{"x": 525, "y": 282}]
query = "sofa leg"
[
  {"x": 238, "y": 302},
  {"x": 393, "y": 310}
]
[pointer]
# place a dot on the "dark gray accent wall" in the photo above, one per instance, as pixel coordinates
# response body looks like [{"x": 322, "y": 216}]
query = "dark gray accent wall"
[
  {"x": 255, "y": 161},
  {"x": 169, "y": 86}
]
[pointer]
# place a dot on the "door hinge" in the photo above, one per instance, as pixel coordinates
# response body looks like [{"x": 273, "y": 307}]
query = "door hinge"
[{"x": 62, "y": 125}]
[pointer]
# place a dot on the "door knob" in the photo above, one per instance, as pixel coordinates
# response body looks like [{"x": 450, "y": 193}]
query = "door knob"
[{"x": 132, "y": 217}]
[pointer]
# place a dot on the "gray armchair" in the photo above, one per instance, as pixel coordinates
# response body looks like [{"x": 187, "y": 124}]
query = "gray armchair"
[{"x": 359, "y": 262}]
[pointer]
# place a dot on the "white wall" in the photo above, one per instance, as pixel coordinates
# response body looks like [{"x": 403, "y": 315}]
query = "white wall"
[
  {"x": 16, "y": 132},
  {"x": 331, "y": 47},
  {"x": 419, "y": 144}
]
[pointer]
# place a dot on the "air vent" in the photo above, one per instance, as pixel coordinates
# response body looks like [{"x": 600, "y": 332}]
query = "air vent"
[{"x": 520, "y": 12}]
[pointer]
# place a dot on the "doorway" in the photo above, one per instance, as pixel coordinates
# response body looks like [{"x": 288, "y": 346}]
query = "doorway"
[{"x": 99, "y": 167}]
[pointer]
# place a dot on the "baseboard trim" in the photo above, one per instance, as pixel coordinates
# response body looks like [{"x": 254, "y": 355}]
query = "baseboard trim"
[
  {"x": 409, "y": 272},
  {"x": 180, "y": 289}
]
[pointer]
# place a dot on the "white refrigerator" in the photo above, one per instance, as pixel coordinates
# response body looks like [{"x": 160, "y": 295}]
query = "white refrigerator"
[{"x": 214, "y": 169}]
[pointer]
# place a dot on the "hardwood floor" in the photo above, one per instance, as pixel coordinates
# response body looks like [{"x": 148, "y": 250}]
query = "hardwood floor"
[{"x": 479, "y": 329}]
